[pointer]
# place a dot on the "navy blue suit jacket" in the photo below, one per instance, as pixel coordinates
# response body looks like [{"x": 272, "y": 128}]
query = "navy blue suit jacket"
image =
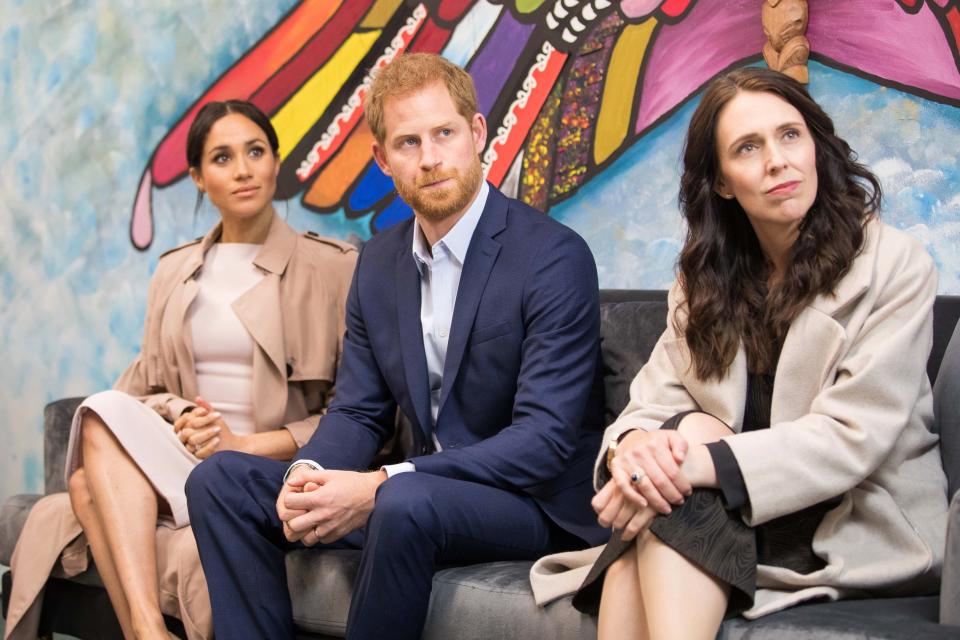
[{"x": 519, "y": 407}]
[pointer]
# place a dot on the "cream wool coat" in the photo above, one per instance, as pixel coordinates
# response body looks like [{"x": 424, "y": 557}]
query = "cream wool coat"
[
  {"x": 850, "y": 415},
  {"x": 295, "y": 316}
]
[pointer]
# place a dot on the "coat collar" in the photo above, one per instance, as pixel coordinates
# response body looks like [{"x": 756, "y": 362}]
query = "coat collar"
[
  {"x": 273, "y": 257},
  {"x": 858, "y": 279}
]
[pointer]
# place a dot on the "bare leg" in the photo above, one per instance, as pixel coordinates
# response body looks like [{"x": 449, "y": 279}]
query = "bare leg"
[
  {"x": 681, "y": 601},
  {"x": 126, "y": 504},
  {"x": 621, "y": 606},
  {"x": 684, "y": 602},
  {"x": 90, "y": 521}
]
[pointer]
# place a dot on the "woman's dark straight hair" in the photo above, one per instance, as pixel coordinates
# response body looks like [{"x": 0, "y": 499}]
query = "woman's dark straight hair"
[{"x": 722, "y": 270}]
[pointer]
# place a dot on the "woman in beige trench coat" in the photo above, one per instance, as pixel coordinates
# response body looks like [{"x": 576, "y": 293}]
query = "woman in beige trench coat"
[
  {"x": 241, "y": 343},
  {"x": 776, "y": 446}
]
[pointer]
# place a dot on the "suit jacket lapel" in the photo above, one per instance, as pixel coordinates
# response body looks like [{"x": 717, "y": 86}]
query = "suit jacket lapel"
[
  {"x": 481, "y": 257},
  {"x": 411, "y": 333}
]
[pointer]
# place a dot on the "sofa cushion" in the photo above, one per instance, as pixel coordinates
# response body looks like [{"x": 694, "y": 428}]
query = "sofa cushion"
[
  {"x": 13, "y": 515},
  {"x": 57, "y": 418},
  {"x": 946, "y": 407},
  {"x": 320, "y": 585},
  {"x": 491, "y": 600},
  {"x": 628, "y": 333},
  {"x": 877, "y": 619}
]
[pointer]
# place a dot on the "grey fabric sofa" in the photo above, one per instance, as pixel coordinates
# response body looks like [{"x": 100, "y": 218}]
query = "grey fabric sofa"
[{"x": 493, "y": 601}]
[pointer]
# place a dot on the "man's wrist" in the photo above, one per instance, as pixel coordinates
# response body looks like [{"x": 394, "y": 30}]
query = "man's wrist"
[{"x": 303, "y": 462}]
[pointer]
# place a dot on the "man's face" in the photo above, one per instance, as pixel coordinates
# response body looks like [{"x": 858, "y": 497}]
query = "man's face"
[{"x": 432, "y": 152}]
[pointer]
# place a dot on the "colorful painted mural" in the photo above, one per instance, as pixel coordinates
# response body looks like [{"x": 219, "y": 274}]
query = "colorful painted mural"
[
  {"x": 566, "y": 86},
  {"x": 587, "y": 102}
]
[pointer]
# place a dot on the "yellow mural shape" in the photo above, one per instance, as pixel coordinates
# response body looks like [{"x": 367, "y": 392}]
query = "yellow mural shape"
[
  {"x": 378, "y": 15},
  {"x": 620, "y": 90},
  {"x": 296, "y": 117}
]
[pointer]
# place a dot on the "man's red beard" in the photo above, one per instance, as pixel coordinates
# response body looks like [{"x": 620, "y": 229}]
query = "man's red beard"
[{"x": 440, "y": 203}]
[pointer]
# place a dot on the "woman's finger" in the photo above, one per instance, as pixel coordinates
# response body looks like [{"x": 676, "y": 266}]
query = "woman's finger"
[
  {"x": 199, "y": 422},
  {"x": 208, "y": 449},
  {"x": 671, "y": 471},
  {"x": 624, "y": 515},
  {"x": 610, "y": 510},
  {"x": 599, "y": 501},
  {"x": 200, "y": 436},
  {"x": 640, "y": 521},
  {"x": 630, "y": 488},
  {"x": 653, "y": 482}
]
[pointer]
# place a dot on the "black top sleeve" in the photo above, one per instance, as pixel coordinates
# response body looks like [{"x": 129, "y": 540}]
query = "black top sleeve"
[{"x": 728, "y": 475}]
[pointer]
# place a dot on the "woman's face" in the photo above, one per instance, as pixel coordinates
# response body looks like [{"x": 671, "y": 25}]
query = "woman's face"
[
  {"x": 238, "y": 170},
  {"x": 767, "y": 161}
]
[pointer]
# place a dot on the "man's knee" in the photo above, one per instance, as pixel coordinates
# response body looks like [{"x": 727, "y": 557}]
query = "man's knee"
[
  {"x": 404, "y": 503},
  {"x": 210, "y": 474}
]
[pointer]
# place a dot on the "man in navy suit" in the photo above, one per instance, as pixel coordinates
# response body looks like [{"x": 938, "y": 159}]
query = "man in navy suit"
[{"x": 480, "y": 319}]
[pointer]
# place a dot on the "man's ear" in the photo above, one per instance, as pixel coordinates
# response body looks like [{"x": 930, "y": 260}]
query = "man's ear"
[
  {"x": 381, "y": 159},
  {"x": 478, "y": 127},
  {"x": 197, "y": 178}
]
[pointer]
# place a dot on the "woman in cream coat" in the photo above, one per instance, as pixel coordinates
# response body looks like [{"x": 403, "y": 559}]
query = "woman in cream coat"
[
  {"x": 706, "y": 499},
  {"x": 251, "y": 318}
]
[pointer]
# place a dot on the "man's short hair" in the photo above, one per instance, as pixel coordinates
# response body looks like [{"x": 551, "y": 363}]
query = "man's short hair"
[{"x": 411, "y": 72}]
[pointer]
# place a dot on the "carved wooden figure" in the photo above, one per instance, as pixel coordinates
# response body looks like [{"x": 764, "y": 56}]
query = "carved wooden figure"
[{"x": 787, "y": 48}]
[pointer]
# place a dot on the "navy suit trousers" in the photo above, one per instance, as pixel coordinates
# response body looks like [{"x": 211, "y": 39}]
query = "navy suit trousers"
[{"x": 419, "y": 521}]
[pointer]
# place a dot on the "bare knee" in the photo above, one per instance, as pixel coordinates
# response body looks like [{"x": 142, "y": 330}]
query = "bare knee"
[
  {"x": 701, "y": 428},
  {"x": 79, "y": 491}
]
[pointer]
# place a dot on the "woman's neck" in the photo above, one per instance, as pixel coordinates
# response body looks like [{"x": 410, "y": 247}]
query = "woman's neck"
[
  {"x": 776, "y": 245},
  {"x": 246, "y": 230}
]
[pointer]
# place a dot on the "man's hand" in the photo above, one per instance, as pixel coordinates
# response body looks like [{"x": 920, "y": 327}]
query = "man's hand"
[{"x": 325, "y": 505}]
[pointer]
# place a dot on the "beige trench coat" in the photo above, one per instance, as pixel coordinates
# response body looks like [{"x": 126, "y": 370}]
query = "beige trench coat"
[
  {"x": 295, "y": 316},
  {"x": 850, "y": 415}
]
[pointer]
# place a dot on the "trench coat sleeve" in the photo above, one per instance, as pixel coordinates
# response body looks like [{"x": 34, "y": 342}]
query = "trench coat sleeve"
[
  {"x": 301, "y": 430},
  {"x": 855, "y": 421},
  {"x": 136, "y": 379},
  {"x": 338, "y": 272},
  {"x": 656, "y": 393}
]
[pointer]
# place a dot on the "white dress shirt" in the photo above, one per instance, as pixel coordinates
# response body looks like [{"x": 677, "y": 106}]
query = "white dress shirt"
[{"x": 440, "y": 267}]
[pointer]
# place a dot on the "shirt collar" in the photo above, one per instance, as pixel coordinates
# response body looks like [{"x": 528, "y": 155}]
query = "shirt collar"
[{"x": 457, "y": 240}]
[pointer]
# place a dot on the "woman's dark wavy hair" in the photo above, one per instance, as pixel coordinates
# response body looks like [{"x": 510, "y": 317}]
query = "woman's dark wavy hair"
[
  {"x": 722, "y": 270},
  {"x": 208, "y": 116}
]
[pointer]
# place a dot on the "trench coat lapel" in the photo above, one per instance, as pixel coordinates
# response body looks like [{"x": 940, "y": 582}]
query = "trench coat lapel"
[
  {"x": 481, "y": 256},
  {"x": 411, "y": 333},
  {"x": 180, "y": 300}
]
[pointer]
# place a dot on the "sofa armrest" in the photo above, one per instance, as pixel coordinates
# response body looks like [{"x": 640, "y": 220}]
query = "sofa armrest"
[
  {"x": 57, "y": 417},
  {"x": 950, "y": 584}
]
